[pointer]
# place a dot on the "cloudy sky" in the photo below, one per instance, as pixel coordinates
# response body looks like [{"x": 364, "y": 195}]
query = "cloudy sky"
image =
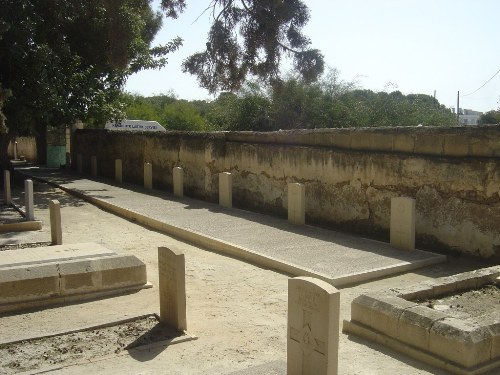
[{"x": 415, "y": 46}]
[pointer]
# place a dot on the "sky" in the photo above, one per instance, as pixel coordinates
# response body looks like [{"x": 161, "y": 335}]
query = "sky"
[{"x": 414, "y": 46}]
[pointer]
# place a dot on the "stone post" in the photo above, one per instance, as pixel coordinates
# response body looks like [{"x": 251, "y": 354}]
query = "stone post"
[
  {"x": 172, "y": 286},
  {"x": 118, "y": 170},
  {"x": 178, "y": 176},
  {"x": 296, "y": 203},
  {"x": 79, "y": 163},
  {"x": 148, "y": 175},
  {"x": 7, "y": 196},
  {"x": 226, "y": 189},
  {"x": 55, "y": 222},
  {"x": 28, "y": 200},
  {"x": 93, "y": 166},
  {"x": 403, "y": 223},
  {"x": 15, "y": 150},
  {"x": 313, "y": 327}
]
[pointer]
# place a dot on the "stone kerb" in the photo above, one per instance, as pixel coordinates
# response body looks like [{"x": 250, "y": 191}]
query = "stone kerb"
[
  {"x": 296, "y": 203},
  {"x": 172, "y": 286},
  {"x": 226, "y": 189},
  {"x": 7, "y": 196},
  {"x": 148, "y": 175},
  {"x": 28, "y": 200},
  {"x": 402, "y": 225},
  {"x": 93, "y": 166},
  {"x": 313, "y": 327},
  {"x": 55, "y": 222},
  {"x": 118, "y": 170},
  {"x": 178, "y": 177}
]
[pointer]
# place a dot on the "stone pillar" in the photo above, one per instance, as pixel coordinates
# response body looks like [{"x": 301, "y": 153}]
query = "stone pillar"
[
  {"x": 403, "y": 223},
  {"x": 15, "y": 150},
  {"x": 7, "y": 196},
  {"x": 118, "y": 170},
  {"x": 79, "y": 163},
  {"x": 55, "y": 222},
  {"x": 178, "y": 175},
  {"x": 93, "y": 166},
  {"x": 148, "y": 175},
  {"x": 28, "y": 200},
  {"x": 172, "y": 286},
  {"x": 296, "y": 203},
  {"x": 313, "y": 327},
  {"x": 226, "y": 189}
]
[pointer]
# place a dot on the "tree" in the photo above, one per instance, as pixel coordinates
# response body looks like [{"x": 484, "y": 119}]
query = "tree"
[
  {"x": 249, "y": 37},
  {"x": 490, "y": 117}
]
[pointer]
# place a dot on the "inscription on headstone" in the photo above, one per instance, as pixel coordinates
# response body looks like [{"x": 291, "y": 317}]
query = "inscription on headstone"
[
  {"x": 313, "y": 327},
  {"x": 172, "y": 285},
  {"x": 403, "y": 223}
]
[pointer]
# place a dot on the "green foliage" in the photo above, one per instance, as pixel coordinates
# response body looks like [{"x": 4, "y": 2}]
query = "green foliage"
[{"x": 490, "y": 117}]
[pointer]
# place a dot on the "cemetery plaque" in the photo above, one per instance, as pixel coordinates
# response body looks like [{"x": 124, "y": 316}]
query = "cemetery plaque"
[
  {"x": 313, "y": 327},
  {"x": 172, "y": 285}
]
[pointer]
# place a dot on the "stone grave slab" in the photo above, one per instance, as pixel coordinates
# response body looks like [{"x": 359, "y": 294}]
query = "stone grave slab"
[{"x": 49, "y": 275}]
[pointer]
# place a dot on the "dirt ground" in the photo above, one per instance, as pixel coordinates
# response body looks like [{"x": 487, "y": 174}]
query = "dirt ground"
[{"x": 237, "y": 310}]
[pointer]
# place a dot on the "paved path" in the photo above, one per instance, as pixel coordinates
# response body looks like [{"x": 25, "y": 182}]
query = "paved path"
[{"x": 270, "y": 242}]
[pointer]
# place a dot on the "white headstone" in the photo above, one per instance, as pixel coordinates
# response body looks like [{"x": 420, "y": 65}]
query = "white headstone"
[
  {"x": 178, "y": 176},
  {"x": 28, "y": 200},
  {"x": 226, "y": 189},
  {"x": 313, "y": 327},
  {"x": 148, "y": 175},
  {"x": 403, "y": 223},
  {"x": 7, "y": 196},
  {"x": 93, "y": 166},
  {"x": 55, "y": 222},
  {"x": 296, "y": 203},
  {"x": 118, "y": 170},
  {"x": 172, "y": 286}
]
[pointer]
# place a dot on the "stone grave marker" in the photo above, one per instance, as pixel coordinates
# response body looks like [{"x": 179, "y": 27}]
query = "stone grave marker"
[
  {"x": 296, "y": 203},
  {"x": 28, "y": 200},
  {"x": 226, "y": 189},
  {"x": 7, "y": 196},
  {"x": 178, "y": 176},
  {"x": 403, "y": 223},
  {"x": 55, "y": 222},
  {"x": 148, "y": 175},
  {"x": 313, "y": 327},
  {"x": 172, "y": 285},
  {"x": 118, "y": 170}
]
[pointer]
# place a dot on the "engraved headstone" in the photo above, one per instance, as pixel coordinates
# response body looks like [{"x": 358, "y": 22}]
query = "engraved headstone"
[
  {"x": 148, "y": 175},
  {"x": 226, "y": 189},
  {"x": 118, "y": 170},
  {"x": 403, "y": 223},
  {"x": 313, "y": 327},
  {"x": 55, "y": 222},
  {"x": 172, "y": 285},
  {"x": 178, "y": 176},
  {"x": 28, "y": 200},
  {"x": 296, "y": 203},
  {"x": 7, "y": 196}
]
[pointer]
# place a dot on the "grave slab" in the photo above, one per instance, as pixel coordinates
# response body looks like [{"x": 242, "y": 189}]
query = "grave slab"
[{"x": 49, "y": 275}]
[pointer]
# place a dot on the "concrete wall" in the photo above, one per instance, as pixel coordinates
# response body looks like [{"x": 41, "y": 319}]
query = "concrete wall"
[{"x": 350, "y": 175}]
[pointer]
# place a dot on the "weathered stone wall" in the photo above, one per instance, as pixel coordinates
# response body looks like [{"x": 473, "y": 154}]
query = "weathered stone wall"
[
  {"x": 26, "y": 146},
  {"x": 350, "y": 175}
]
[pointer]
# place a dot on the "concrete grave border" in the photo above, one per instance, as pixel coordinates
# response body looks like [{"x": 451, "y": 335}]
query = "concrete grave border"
[{"x": 460, "y": 346}]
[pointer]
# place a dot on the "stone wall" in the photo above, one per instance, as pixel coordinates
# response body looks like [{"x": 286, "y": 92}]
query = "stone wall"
[
  {"x": 26, "y": 146},
  {"x": 350, "y": 175}
]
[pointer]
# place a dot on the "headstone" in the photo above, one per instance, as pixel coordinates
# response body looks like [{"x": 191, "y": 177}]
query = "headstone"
[
  {"x": 226, "y": 189},
  {"x": 313, "y": 327},
  {"x": 148, "y": 175},
  {"x": 403, "y": 223},
  {"x": 28, "y": 200},
  {"x": 93, "y": 166},
  {"x": 172, "y": 286},
  {"x": 118, "y": 170},
  {"x": 296, "y": 203},
  {"x": 79, "y": 163},
  {"x": 7, "y": 196},
  {"x": 178, "y": 176},
  {"x": 55, "y": 222}
]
